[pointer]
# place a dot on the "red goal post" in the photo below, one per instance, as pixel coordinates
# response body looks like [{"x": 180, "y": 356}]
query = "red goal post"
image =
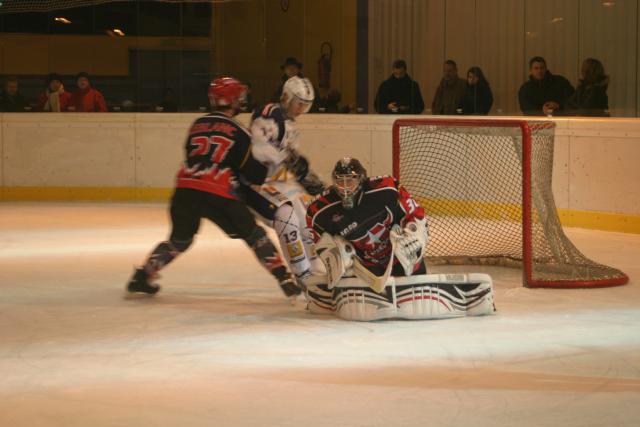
[{"x": 486, "y": 187}]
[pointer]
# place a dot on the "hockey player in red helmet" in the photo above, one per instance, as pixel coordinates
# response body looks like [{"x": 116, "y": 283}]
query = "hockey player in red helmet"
[
  {"x": 227, "y": 92},
  {"x": 217, "y": 156},
  {"x": 371, "y": 235}
]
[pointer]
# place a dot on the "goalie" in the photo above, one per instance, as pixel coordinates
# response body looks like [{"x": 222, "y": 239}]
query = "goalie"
[{"x": 371, "y": 236}]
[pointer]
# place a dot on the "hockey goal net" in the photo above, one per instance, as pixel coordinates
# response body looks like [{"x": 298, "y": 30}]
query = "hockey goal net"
[{"x": 486, "y": 188}]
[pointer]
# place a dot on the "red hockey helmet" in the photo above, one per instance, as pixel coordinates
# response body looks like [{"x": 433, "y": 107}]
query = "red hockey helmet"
[{"x": 223, "y": 91}]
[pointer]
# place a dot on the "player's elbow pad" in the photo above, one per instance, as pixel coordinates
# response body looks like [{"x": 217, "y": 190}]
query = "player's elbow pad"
[{"x": 254, "y": 171}]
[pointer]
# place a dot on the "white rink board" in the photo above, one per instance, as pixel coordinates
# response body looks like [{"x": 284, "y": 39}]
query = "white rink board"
[{"x": 594, "y": 169}]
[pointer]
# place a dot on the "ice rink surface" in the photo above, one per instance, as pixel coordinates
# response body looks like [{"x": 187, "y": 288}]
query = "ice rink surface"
[{"x": 220, "y": 346}]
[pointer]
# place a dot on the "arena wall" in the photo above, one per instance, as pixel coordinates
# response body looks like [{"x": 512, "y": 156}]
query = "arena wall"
[{"x": 134, "y": 157}]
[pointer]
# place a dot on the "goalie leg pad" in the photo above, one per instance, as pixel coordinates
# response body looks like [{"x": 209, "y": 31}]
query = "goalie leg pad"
[
  {"x": 470, "y": 295},
  {"x": 425, "y": 296},
  {"x": 320, "y": 299},
  {"x": 363, "y": 304}
]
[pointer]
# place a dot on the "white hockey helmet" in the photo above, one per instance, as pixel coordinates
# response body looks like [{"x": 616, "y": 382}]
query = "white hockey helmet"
[{"x": 298, "y": 90}]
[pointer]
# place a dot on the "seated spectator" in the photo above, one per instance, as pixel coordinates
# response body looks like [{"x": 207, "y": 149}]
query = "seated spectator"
[
  {"x": 293, "y": 67},
  {"x": 250, "y": 104},
  {"x": 399, "y": 94},
  {"x": 54, "y": 98},
  {"x": 450, "y": 93},
  {"x": 331, "y": 103},
  {"x": 590, "y": 97},
  {"x": 10, "y": 99},
  {"x": 86, "y": 99},
  {"x": 168, "y": 104},
  {"x": 478, "y": 97},
  {"x": 544, "y": 93}
]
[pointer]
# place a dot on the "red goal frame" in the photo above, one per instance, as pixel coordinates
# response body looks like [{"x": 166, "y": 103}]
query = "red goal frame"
[{"x": 527, "y": 249}]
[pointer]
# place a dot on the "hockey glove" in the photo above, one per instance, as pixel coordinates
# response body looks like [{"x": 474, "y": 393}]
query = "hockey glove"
[
  {"x": 298, "y": 165},
  {"x": 337, "y": 256},
  {"x": 312, "y": 184},
  {"x": 410, "y": 244}
]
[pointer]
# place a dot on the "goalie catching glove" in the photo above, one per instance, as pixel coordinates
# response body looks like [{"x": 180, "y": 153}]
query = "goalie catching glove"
[
  {"x": 410, "y": 243},
  {"x": 299, "y": 166}
]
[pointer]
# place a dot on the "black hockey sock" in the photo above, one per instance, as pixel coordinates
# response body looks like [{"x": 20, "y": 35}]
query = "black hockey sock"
[{"x": 266, "y": 253}]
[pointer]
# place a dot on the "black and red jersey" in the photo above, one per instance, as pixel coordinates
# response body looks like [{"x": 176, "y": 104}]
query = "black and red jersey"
[
  {"x": 380, "y": 205},
  {"x": 218, "y": 151}
]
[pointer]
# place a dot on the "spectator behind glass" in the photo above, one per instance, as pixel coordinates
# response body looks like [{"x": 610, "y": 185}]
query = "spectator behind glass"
[
  {"x": 86, "y": 99},
  {"x": 399, "y": 94},
  {"x": 478, "y": 97},
  {"x": 544, "y": 93},
  {"x": 10, "y": 99},
  {"x": 331, "y": 103},
  {"x": 168, "y": 104},
  {"x": 590, "y": 98},
  {"x": 293, "y": 67},
  {"x": 54, "y": 98},
  {"x": 451, "y": 90}
]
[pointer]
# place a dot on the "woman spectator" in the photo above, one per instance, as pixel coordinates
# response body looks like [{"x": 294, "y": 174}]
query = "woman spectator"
[
  {"x": 478, "y": 97},
  {"x": 590, "y": 98},
  {"x": 54, "y": 98}
]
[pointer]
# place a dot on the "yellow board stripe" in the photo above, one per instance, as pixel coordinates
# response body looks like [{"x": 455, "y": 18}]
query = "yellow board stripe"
[
  {"x": 595, "y": 220},
  {"x": 471, "y": 209}
]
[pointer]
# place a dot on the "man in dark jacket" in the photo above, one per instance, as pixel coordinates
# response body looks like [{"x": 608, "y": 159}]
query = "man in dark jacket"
[
  {"x": 399, "y": 94},
  {"x": 449, "y": 96},
  {"x": 544, "y": 93},
  {"x": 10, "y": 99}
]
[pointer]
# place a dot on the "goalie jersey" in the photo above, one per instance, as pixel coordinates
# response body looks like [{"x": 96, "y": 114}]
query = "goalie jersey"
[{"x": 381, "y": 204}]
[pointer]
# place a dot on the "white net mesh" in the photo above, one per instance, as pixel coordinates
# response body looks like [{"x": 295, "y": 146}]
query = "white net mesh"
[
  {"x": 468, "y": 176},
  {"x": 21, "y": 6}
]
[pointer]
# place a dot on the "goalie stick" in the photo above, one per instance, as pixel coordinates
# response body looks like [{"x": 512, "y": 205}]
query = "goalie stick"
[{"x": 377, "y": 283}]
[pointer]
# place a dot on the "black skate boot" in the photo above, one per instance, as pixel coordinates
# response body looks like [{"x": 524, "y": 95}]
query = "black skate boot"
[
  {"x": 290, "y": 287},
  {"x": 139, "y": 283},
  {"x": 287, "y": 283}
]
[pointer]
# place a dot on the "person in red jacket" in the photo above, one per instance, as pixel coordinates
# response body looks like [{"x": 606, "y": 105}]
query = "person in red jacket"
[
  {"x": 54, "y": 98},
  {"x": 86, "y": 99}
]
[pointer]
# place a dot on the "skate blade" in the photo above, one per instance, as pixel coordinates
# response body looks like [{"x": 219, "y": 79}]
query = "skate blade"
[{"x": 137, "y": 295}]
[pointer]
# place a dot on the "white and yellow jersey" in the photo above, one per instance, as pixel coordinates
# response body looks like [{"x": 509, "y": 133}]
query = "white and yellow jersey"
[{"x": 273, "y": 136}]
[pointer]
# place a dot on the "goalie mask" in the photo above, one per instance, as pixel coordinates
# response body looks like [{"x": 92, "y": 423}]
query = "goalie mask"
[
  {"x": 348, "y": 176},
  {"x": 297, "y": 96}
]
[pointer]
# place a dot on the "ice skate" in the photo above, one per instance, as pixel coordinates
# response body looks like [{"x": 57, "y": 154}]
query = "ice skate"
[{"x": 139, "y": 283}]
